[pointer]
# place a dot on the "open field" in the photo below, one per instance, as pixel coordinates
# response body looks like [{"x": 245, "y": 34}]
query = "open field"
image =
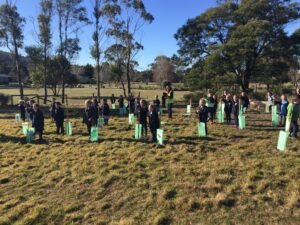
[
  {"x": 77, "y": 95},
  {"x": 230, "y": 177}
]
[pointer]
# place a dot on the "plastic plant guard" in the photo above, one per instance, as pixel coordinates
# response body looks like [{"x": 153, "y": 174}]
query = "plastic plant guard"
[
  {"x": 100, "y": 122},
  {"x": 68, "y": 128},
  {"x": 267, "y": 109},
  {"x": 113, "y": 106},
  {"x": 274, "y": 120},
  {"x": 30, "y": 135},
  {"x": 242, "y": 122},
  {"x": 188, "y": 109},
  {"x": 138, "y": 131},
  {"x": 24, "y": 128},
  {"x": 220, "y": 117},
  {"x": 131, "y": 119},
  {"x": 201, "y": 130},
  {"x": 282, "y": 140},
  {"x": 241, "y": 111},
  {"x": 160, "y": 136},
  {"x": 287, "y": 125},
  {"x": 94, "y": 134},
  {"x": 17, "y": 118},
  {"x": 274, "y": 109}
]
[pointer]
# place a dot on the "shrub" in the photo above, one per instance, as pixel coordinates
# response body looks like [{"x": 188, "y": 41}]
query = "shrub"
[
  {"x": 195, "y": 96},
  {"x": 3, "y": 99}
]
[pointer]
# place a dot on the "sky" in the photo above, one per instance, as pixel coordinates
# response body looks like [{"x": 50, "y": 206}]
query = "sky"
[{"x": 157, "y": 38}]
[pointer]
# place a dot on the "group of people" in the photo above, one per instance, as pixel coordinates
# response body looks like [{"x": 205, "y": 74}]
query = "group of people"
[
  {"x": 286, "y": 109},
  {"x": 208, "y": 105},
  {"x": 148, "y": 115}
]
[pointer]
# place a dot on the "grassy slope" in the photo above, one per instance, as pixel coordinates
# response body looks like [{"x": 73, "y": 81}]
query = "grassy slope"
[{"x": 232, "y": 177}]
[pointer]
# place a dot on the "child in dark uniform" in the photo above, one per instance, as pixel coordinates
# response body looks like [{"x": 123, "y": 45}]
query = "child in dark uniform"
[
  {"x": 142, "y": 116},
  {"x": 38, "y": 121},
  {"x": 30, "y": 110},
  {"x": 235, "y": 110},
  {"x": 228, "y": 109},
  {"x": 89, "y": 115},
  {"x": 22, "y": 108},
  {"x": 154, "y": 122},
  {"x": 59, "y": 117},
  {"x": 105, "y": 111},
  {"x": 202, "y": 112}
]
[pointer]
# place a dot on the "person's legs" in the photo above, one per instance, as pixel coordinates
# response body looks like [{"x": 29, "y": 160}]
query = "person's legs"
[
  {"x": 170, "y": 106},
  {"x": 154, "y": 134},
  {"x": 62, "y": 127},
  {"x": 89, "y": 126},
  {"x": 270, "y": 108},
  {"x": 57, "y": 127},
  {"x": 40, "y": 133},
  {"x": 294, "y": 129}
]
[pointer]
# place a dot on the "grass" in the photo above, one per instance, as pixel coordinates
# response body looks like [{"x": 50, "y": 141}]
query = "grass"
[
  {"x": 78, "y": 95},
  {"x": 231, "y": 177}
]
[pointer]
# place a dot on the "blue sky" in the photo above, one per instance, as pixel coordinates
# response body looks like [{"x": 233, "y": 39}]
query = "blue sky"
[{"x": 157, "y": 38}]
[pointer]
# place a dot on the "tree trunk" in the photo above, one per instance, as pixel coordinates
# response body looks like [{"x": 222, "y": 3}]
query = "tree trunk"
[
  {"x": 123, "y": 87},
  {"x": 45, "y": 75},
  {"x": 18, "y": 70},
  {"x": 128, "y": 73}
]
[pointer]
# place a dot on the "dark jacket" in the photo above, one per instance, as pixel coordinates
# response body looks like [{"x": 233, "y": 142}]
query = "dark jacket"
[
  {"x": 38, "y": 120},
  {"x": 89, "y": 116},
  {"x": 22, "y": 110},
  {"x": 131, "y": 104},
  {"x": 52, "y": 109},
  {"x": 154, "y": 122},
  {"x": 142, "y": 115},
  {"x": 105, "y": 109},
  {"x": 202, "y": 112},
  {"x": 30, "y": 111},
  {"x": 96, "y": 111},
  {"x": 121, "y": 102},
  {"x": 245, "y": 101},
  {"x": 113, "y": 99},
  {"x": 235, "y": 108},
  {"x": 156, "y": 102},
  {"x": 59, "y": 115},
  {"x": 283, "y": 108},
  {"x": 228, "y": 106}
]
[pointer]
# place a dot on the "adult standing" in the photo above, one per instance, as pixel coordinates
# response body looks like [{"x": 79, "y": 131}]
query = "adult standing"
[
  {"x": 52, "y": 108},
  {"x": 170, "y": 99}
]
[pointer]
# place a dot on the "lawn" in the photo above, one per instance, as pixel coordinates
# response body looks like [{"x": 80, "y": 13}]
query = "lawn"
[{"x": 231, "y": 177}]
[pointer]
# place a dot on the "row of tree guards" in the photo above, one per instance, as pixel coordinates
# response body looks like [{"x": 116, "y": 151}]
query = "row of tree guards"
[{"x": 201, "y": 127}]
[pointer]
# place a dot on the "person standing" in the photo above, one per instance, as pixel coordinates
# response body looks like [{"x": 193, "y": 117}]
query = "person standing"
[
  {"x": 271, "y": 100},
  {"x": 52, "y": 108},
  {"x": 22, "y": 109},
  {"x": 38, "y": 121},
  {"x": 59, "y": 117},
  {"x": 170, "y": 100},
  {"x": 142, "y": 116},
  {"x": 202, "y": 112},
  {"x": 154, "y": 122},
  {"x": 89, "y": 115}
]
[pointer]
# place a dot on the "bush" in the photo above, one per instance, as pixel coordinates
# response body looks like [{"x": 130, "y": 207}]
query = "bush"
[
  {"x": 195, "y": 96},
  {"x": 3, "y": 99}
]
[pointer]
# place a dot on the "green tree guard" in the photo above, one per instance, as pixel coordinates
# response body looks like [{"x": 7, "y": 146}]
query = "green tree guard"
[
  {"x": 24, "y": 128},
  {"x": 30, "y": 135},
  {"x": 94, "y": 134},
  {"x": 282, "y": 140},
  {"x": 188, "y": 109},
  {"x": 100, "y": 122},
  {"x": 17, "y": 118},
  {"x": 274, "y": 110},
  {"x": 242, "y": 122},
  {"x": 275, "y": 120},
  {"x": 113, "y": 106},
  {"x": 131, "y": 119},
  {"x": 138, "y": 131},
  {"x": 160, "y": 136},
  {"x": 68, "y": 128},
  {"x": 267, "y": 109},
  {"x": 201, "y": 130}
]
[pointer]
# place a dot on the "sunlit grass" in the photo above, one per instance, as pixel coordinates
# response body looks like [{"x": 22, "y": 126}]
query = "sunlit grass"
[{"x": 231, "y": 177}]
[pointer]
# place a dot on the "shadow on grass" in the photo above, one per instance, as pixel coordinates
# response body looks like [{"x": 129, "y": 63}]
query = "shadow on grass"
[
  {"x": 5, "y": 138},
  {"x": 130, "y": 140}
]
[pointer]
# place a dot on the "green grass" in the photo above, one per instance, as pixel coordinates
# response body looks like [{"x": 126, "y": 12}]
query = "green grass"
[
  {"x": 78, "y": 95},
  {"x": 231, "y": 177}
]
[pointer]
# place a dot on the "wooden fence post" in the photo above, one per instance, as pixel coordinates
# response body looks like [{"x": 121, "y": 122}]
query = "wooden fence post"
[
  {"x": 12, "y": 100},
  {"x": 38, "y": 99}
]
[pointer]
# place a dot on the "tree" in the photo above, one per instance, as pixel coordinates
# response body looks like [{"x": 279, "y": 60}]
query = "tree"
[
  {"x": 71, "y": 16},
  {"x": 239, "y": 38},
  {"x": 126, "y": 26},
  {"x": 88, "y": 71},
  {"x": 163, "y": 69},
  {"x": 11, "y": 35},
  {"x": 35, "y": 54},
  {"x": 44, "y": 20}
]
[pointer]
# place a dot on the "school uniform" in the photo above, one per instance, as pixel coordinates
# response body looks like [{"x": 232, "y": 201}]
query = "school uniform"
[
  {"x": 228, "y": 110},
  {"x": 105, "y": 110},
  {"x": 131, "y": 105},
  {"x": 38, "y": 123},
  {"x": 88, "y": 118},
  {"x": 163, "y": 100},
  {"x": 95, "y": 107},
  {"x": 203, "y": 112},
  {"x": 52, "y": 110},
  {"x": 283, "y": 105},
  {"x": 270, "y": 102},
  {"x": 22, "y": 112},
  {"x": 170, "y": 102},
  {"x": 245, "y": 102},
  {"x": 137, "y": 106},
  {"x": 294, "y": 109},
  {"x": 154, "y": 124},
  {"x": 235, "y": 112},
  {"x": 142, "y": 116},
  {"x": 59, "y": 117},
  {"x": 30, "y": 112},
  {"x": 210, "y": 103},
  {"x": 121, "y": 102},
  {"x": 113, "y": 99},
  {"x": 156, "y": 102}
]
